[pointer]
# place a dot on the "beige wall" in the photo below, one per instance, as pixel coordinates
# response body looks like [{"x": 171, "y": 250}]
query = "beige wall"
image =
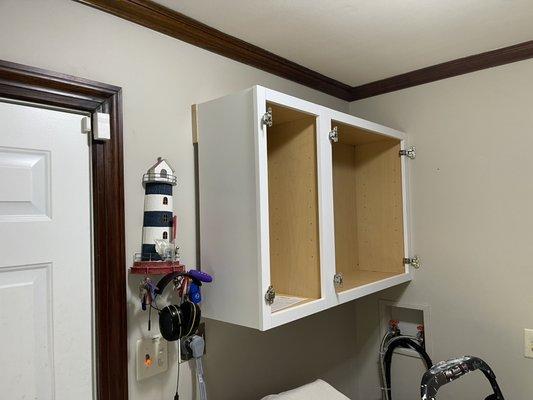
[
  {"x": 161, "y": 77},
  {"x": 472, "y": 196},
  {"x": 471, "y": 201}
]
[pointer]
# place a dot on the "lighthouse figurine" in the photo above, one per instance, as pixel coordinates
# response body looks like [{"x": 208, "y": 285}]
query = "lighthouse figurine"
[{"x": 158, "y": 211}]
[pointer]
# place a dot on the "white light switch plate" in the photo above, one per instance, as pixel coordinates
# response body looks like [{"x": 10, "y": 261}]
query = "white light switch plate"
[
  {"x": 528, "y": 343},
  {"x": 156, "y": 349}
]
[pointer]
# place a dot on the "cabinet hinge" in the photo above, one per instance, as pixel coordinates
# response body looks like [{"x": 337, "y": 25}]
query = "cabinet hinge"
[
  {"x": 334, "y": 135},
  {"x": 337, "y": 279},
  {"x": 414, "y": 262},
  {"x": 267, "y": 118},
  {"x": 409, "y": 152},
  {"x": 270, "y": 295}
]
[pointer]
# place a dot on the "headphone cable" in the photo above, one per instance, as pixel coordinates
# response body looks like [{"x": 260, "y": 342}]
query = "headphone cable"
[{"x": 177, "y": 395}]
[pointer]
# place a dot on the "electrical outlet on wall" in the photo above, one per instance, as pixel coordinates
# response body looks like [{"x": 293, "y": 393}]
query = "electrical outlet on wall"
[{"x": 152, "y": 357}]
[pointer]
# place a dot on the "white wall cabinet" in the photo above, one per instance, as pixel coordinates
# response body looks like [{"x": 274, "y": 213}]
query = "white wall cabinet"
[{"x": 301, "y": 207}]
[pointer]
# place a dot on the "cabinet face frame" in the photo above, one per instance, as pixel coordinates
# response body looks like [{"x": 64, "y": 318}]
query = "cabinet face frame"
[
  {"x": 262, "y": 96},
  {"x": 244, "y": 274},
  {"x": 360, "y": 291}
]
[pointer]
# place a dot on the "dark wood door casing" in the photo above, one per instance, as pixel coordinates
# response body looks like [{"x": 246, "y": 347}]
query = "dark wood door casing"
[{"x": 24, "y": 83}]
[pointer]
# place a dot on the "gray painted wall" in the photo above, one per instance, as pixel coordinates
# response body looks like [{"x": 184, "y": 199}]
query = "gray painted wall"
[
  {"x": 472, "y": 197},
  {"x": 471, "y": 200},
  {"x": 161, "y": 77}
]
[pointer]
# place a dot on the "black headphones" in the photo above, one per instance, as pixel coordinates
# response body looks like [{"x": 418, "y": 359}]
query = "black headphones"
[{"x": 177, "y": 321}]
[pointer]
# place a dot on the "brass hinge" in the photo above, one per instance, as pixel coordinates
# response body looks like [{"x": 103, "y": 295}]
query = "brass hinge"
[
  {"x": 270, "y": 295},
  {"x": 414, "y": 262},
  {"x": 267, "y": 118},
  {"x": 334, "y": 135},
  {"x": 409, "y": 152}
]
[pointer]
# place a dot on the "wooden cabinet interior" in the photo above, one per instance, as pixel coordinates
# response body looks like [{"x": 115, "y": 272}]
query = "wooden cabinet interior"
[
  {"x": 368, "y": 206},
  {"x": 293, "y": 203}
]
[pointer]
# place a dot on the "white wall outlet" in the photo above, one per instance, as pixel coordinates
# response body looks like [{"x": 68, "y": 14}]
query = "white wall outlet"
[
  {"x": 528, "y": 343},
  {"x": 152, "y": 357}
]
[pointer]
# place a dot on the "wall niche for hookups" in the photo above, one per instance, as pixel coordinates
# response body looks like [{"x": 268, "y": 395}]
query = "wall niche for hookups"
[{"x": 409, "y": 317}]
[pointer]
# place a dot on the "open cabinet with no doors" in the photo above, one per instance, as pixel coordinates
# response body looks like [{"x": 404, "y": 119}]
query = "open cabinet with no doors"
[
  {"x": 293, "y": 207},
  {"x": 369, "y": 206},
  {"x": 260, "y": 208},
  {"x": 284, "y": 212}
]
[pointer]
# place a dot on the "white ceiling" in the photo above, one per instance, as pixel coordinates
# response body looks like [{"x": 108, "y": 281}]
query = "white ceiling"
[{"x": 360, "y": 41}]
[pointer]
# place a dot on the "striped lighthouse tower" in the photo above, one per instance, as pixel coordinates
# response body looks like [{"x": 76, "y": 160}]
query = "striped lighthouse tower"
[{"x": 158, "y": 182}]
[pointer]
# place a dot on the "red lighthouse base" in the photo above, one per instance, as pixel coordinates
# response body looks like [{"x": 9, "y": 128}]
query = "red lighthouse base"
[{"x": 156, "y": 267}]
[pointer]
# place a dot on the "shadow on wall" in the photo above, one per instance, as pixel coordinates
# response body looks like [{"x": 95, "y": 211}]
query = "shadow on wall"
[
  {"x": 368, "y": 323},
  {"x": 246, "y": 364},
  {"x": 368, "y": 341},
  {"x": 407, "y": 371}
]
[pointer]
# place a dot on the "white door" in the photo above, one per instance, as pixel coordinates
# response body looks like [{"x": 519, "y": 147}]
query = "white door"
[{"x": 45, "y": 256}]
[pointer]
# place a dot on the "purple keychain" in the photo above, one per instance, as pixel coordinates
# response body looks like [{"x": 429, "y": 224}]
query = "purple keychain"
[
  {"x": 199, "y": 275},
  {"x": 194, "y": 289}
]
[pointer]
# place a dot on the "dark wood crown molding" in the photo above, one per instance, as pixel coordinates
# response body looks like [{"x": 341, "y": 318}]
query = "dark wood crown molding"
[
  {"x": 21, "y": 82},
  {"x": 179, "y": 26},
  {"x": 489, "y": 59},
  {"x": 172, "y": 23}
]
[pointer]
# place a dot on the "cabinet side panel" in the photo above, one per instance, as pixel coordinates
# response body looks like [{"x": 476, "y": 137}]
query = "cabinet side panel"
[{"x": 228, "y": 209}]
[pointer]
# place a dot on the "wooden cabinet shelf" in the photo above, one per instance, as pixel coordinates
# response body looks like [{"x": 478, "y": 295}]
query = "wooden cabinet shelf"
[{"x": 284, "y": 210}]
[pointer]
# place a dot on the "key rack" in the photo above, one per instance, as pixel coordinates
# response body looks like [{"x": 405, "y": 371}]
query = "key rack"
[{"x": 156, "y": 267}]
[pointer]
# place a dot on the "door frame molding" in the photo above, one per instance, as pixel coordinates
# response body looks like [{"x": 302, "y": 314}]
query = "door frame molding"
[{"x": 25, "y": 83}]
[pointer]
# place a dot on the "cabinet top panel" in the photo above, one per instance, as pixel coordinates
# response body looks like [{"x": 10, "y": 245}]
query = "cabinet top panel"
[{"x": 273, "y": 97}]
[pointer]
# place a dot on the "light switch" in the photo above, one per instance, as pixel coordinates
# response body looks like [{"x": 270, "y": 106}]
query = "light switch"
[
  {"x": 152, "y": 357},
  {"x": 528, "y": 343}
]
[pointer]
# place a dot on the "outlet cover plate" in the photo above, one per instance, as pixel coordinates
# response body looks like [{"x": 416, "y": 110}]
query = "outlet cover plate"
[{"x": 156, "y": 349}]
